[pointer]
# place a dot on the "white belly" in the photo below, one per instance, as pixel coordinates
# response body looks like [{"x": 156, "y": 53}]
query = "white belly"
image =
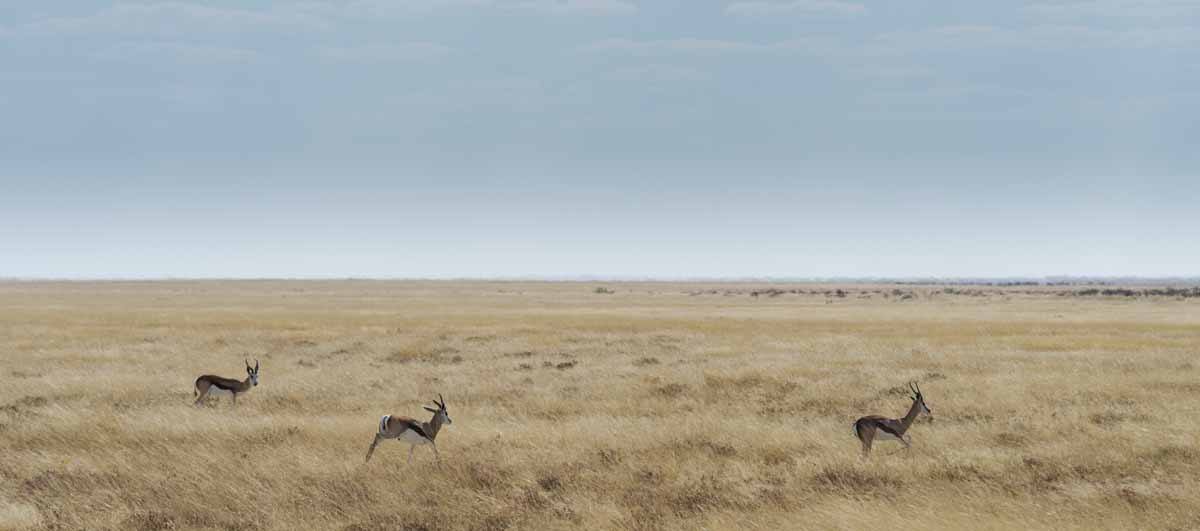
[
  {"x": 215, "y": 391},
  {"x": 881, "y": 435},
  {"x": 412, "y": 437}
]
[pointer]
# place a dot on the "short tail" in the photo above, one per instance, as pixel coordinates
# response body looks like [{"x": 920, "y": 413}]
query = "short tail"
[{"x": 383, "y": 423}]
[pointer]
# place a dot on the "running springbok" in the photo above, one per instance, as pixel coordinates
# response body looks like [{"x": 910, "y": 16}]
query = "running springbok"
[
  {"x": 872, "y": 427},
  {"x": 216, "y": 386},
  {"x": 412, "y": 432}
]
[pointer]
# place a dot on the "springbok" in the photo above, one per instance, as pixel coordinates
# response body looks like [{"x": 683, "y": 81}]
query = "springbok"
[
  {"x": 872, "y": 427},
  {"x": 216, "y": 386},
  {"x": 413, "y": 432}
]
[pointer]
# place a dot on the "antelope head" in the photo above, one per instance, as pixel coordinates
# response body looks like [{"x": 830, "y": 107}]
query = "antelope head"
[
  {"x": 252, "y": 372},
  {"x": 919, "y": 399},
  {"x": 440, "y": 414}
]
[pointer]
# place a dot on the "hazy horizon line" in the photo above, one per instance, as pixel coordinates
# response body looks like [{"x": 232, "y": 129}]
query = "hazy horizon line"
[{"x": 1041, "y": 280}]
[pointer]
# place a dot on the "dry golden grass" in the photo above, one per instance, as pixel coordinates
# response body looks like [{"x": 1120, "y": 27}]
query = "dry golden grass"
[{"x": 659, "y": 406}]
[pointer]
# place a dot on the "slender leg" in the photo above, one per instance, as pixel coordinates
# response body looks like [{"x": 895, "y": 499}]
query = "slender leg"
[
  {"x": 235, "y": 399},
  {"x": 867, "y": 439},
  {"x": 907, "y": 442},
  {"x": 410, "y": 452},
  {"x": 374, "y": 443},
  {"x": 865, "y": 435},
  {"x": 437, "y": 455},
  {"x": 200, "y": 400}
]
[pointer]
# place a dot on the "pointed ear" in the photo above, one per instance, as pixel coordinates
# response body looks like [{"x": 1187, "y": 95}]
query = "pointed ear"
[
  {"x": 255, "y": 365},
  {"x": 429, "y": 409}
]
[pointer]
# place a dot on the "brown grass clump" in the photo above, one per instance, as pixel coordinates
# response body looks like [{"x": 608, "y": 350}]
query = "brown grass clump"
[{"x": 663, "y": 406}]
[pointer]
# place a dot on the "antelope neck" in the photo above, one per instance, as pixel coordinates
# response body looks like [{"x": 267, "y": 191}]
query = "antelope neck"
[
  {"x": 433, "y": 426},
  {"x": 911, "y": 415}
]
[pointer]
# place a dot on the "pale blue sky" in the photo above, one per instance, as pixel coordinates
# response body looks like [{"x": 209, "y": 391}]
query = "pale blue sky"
[{"x": 450, "y": 138}]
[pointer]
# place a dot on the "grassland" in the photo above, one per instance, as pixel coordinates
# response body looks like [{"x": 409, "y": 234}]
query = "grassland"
[{"x": 672, "y": 406}]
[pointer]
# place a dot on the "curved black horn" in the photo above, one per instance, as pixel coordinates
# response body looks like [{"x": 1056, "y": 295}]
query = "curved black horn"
[
  {"x": 441, "y": 401},
  {"x": 255, "y": 364}
]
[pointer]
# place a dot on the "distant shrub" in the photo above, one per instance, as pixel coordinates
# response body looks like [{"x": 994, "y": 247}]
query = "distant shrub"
[
  {"x": 671, "y": 390},
  {"x": 1149, "y": 292}
]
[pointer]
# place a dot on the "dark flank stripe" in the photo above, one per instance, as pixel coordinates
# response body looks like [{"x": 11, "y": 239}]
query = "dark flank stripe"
[
  {"x": 889, "y": 426},
  {"x": 886, "y": 425},
  {"x": 393, "y": 427},
  {"x": 415, "y": 427},
  {"x": 227, "y": 384}
]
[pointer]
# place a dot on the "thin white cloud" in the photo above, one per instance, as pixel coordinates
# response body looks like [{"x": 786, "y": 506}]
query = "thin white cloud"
[
  {"x": 375, "y": 8},
  {"x": 385, "y": 52},
  {"x": 658, "y": 73},
  {"x": 694, "y": 46},
  {"x": 888, "y": 73},
  {"x": 805, "y": 7},
  {"x": 582, "y": 7},
  {"x": 141, "y": 52},
  {"x": 169, "y": 19},
  {"x": 387, "y": 8},
  {"x": 958, "y": 39},
  {"x": 669, "y": 46},
  {"x": 1041, "y": 38},
  {"x": 1124, "y": 9}
]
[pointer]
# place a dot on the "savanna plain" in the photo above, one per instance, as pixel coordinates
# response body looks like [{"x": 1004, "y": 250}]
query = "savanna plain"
[{"x": 580, "y": 405}]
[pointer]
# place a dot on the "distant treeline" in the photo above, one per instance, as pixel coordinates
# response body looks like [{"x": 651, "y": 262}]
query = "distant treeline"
[
  {"x": 829, "y": 293},
  {"x": 1006, "y": 283},
  {"x": 1126, "y": 292},
  {"x": 1190, "y": 292},
  {"x": 999, "y": 283}
]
